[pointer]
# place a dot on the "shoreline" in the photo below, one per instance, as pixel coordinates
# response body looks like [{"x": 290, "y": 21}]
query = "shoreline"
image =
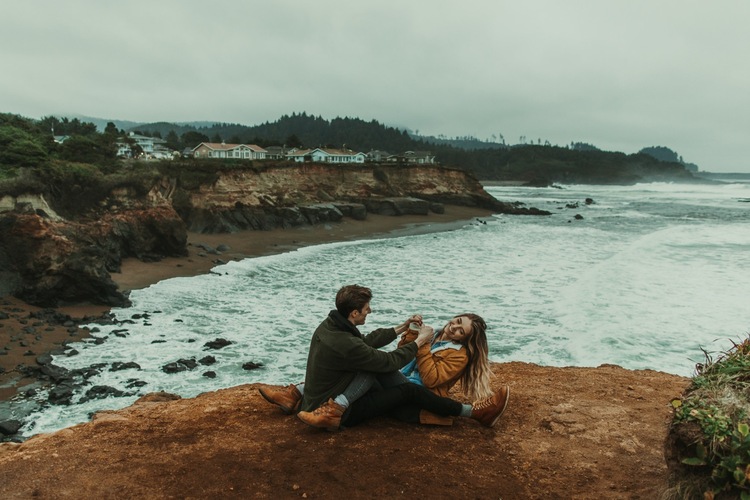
[
  {"x": 135, "y": 274},
  {"x": 30, "y": 332}
]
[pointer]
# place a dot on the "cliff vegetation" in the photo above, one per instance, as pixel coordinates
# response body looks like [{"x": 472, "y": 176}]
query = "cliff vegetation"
[{"x": 28, "y": 143}]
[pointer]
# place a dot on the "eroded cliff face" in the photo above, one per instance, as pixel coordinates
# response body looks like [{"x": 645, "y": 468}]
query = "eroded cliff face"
[
  {"x": 292, "y": 195},
  {"x": 312, "y": 183},
  {"x": 47, "y": 262},
  {"x": 45, "y": 259}
]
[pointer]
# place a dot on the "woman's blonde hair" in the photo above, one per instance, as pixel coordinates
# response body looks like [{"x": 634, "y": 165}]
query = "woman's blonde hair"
[{"x": 475, "y": 380}]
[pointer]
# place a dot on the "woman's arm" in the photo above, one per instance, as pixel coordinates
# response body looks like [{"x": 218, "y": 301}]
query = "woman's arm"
[{"x": 441, "y": 367}]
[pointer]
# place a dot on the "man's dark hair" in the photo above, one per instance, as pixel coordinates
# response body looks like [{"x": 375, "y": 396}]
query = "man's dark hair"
[{"x": 351, "y": 298}]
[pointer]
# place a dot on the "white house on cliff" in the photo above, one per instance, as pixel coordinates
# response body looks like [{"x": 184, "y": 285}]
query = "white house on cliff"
[
  {"x": 327, "y": 155},
  {"x": 222, "y": 150}
]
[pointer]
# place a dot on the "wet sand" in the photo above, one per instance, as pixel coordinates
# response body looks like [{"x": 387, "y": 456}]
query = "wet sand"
[{"x": 24, "y": 337}]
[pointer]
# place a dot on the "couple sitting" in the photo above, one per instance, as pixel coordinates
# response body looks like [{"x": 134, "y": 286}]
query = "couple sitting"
[{"x": 349, "y": 380}]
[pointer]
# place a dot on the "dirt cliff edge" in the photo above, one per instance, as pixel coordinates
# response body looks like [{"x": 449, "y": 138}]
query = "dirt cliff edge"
[{"x": 568, "y": 433}]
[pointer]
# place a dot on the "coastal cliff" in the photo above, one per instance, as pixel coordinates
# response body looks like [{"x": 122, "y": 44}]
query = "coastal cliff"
[
  {"x": 60, "y": 246},
  {"x": 568, "y": 433}
]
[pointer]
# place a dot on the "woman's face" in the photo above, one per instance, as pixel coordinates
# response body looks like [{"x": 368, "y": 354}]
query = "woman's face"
[{"x": 459, "y": 329}]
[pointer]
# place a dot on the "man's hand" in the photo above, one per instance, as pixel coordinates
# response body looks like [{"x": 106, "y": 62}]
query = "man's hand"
[
  {"x": 417, "y": 318},
  {"x": 425, "y": 335}
]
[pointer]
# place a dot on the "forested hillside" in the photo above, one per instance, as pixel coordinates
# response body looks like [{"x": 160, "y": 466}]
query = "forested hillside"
[
  {"x": 488, "y": 161},
  {"x": 29, "y": 143}
]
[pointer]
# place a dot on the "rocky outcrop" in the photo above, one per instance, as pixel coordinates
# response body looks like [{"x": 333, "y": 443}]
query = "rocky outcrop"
[
  {"x": 567, "y": 433},
  {"x": 48, "y": 263},
  {"x": 293, "y": 195}
]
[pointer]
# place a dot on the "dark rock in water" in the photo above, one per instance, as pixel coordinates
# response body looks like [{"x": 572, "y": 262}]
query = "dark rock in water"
[
  {"x": 251, "y": 366},
  {"x": 44, "y": 359},
  {"x": 132, "y": 383},
  {"x": 158, "y": 341},
  {"x": 207, "y": 360},
  {"x": 60, "y": 395},
  {"x": 589, "y": 201},
  {"x": 56, "y": 373},
  {"x": 173, "y": 368},
  {"x": 89, "y": 372},
  {"x": 210, "y": 374},
  {"x": 180, "y": 365},
  {"x": 101, "y": 392},
  {"x": 571, "y": 205},
  {"x": 217, "y": 344},
  {"x": 578, "y": 217},
  {"x": 118, "y": 365},
  {"x": 189, "y": 363},
  {"x": 72, "y": 352},
  {"x": 10, "y": 427},
  {"x": 540, "y": 182}
]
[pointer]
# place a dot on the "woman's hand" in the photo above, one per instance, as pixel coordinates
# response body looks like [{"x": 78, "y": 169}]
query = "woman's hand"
[
  {"x": 425, "y": 335},
  {"x": 417, "y": 318}
]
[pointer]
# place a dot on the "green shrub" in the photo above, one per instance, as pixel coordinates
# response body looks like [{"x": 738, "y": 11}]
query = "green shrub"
[
  {"x": 19, "y": 148},
  {"x": 718, "y": 401}
]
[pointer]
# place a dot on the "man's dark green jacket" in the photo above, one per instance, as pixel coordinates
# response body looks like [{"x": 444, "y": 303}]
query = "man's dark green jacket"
[{"x": 338, "y": 351}]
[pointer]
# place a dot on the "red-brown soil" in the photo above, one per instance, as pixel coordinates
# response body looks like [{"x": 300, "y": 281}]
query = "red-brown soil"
[{"x": 568, "y": 433}]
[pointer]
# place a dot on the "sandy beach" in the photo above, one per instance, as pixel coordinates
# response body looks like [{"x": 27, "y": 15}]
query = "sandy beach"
[{"x": 27, "y": 332}]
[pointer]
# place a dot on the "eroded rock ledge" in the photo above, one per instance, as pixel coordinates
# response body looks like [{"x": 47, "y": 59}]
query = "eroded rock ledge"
[
  {"x": 567, "y": 433},
  {"x": 47, "y": 260}
]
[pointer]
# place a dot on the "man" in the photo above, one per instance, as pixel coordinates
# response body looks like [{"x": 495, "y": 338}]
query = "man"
[{"x": 339, "y": 352}]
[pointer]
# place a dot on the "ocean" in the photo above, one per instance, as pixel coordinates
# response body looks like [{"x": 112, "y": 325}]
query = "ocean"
[{"x": 648, "y": 276}]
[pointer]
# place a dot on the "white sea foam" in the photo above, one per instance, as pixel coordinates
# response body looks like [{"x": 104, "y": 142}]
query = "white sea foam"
[{"x": 651, "y": 274}]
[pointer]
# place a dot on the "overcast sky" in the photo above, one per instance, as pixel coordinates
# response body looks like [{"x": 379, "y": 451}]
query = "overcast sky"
[{"x": 619, "y": 74}]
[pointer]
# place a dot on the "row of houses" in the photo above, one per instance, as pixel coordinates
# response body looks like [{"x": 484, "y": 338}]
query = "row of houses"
[
  {"x": 319, "y": 155},
  {"x": 154, "y": 147}
]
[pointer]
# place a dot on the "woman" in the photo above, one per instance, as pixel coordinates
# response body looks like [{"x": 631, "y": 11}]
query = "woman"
[{"x": 458, "y": 352}]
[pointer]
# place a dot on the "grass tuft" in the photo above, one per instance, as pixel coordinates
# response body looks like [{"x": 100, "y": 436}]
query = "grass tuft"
[{"x": 717, "y": 403}]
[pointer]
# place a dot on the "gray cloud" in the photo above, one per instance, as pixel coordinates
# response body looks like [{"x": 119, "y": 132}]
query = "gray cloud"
[{"x": 621, "y": 74}]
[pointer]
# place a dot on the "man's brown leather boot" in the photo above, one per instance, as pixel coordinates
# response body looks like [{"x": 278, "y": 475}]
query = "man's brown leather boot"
[
  {"x": 287, "y": 398},
  {"x": 327, "y": 416}
]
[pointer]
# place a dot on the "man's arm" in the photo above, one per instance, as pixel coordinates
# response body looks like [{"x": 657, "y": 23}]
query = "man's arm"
[
  {"x": 362, "y": 357},
  {"x": 384, "y": 336}
]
